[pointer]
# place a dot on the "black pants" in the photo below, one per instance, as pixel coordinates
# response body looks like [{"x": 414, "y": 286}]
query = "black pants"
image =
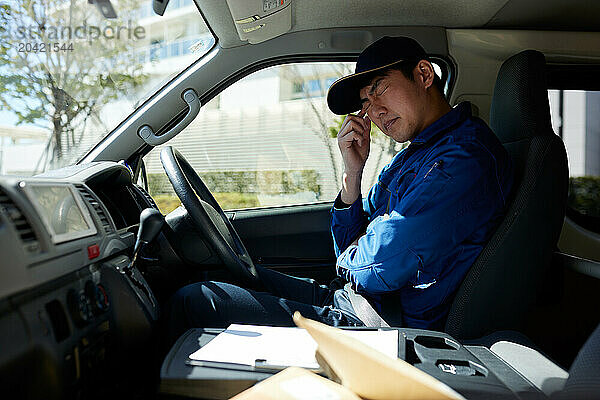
[{"x": 216, "y": 304}]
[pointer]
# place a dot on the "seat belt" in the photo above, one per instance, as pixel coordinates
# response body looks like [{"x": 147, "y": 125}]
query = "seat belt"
[{"x": 364, "y": 311}]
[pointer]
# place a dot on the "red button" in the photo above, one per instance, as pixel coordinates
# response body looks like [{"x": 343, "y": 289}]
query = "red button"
[{"x": 93, "y": 251}]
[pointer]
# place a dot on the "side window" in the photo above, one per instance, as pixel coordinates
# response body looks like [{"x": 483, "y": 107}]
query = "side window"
[
  {"x": 269, "y": 140},
  {"x": 576, "y": 119}
]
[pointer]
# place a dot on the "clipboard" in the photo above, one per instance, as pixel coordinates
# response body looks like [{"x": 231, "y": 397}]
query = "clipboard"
[
  {"x": 261, "y": 365},
  {"x": 254, "y": 347}
]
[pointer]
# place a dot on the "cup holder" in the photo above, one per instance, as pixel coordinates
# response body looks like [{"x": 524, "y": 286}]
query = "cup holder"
[
  {"x": 436, "y": 342},
  {"x": 461, "y": 368}
]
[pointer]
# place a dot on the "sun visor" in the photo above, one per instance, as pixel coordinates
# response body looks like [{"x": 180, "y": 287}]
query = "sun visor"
[{"x": 260, "y": 20}]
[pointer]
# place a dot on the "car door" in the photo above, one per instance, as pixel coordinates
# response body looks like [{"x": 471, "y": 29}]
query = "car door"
[{"x": 266, "y": 149}]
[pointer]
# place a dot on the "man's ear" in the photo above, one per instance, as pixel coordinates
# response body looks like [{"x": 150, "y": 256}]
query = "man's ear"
[{"x": 425, "y": 73}]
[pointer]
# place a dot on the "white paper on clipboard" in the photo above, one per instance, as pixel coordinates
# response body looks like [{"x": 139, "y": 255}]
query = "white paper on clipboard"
[{"x": 244, "y": 344}]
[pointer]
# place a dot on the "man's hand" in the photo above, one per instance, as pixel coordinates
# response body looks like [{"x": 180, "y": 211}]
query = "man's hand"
[{"x": 354, "y": 141}]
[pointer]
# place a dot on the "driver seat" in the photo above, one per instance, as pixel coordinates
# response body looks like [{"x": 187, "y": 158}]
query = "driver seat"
[{"x": 502, "y": 286}]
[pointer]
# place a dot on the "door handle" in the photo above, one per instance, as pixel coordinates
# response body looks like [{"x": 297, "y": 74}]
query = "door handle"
[{"x": 193, "y": 102}]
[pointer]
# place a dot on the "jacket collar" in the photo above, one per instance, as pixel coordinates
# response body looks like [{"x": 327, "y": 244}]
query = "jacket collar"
[{"x": 456, "y": 115}]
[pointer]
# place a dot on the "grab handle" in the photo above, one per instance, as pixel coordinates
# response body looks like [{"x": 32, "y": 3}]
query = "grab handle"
[{"x": 193, "y": 102}]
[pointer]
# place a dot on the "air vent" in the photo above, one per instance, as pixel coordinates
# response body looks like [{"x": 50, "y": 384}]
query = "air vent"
[
  {"x": 91, "y": 200},
  {"x": 22, "y": 226}
]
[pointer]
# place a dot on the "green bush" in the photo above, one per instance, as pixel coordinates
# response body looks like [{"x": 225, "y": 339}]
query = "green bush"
[
  {"x": 159, "y": 184},
  {"x": 584, "y": 195},
  {"x": 231, "y": 201},
  {"x": 262, "y": 182},
  {"x": 238, "y": 189},
  {"x": 228, "y": 201}
]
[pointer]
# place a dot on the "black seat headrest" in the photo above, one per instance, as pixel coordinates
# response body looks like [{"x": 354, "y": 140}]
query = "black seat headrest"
[{"x": 520, "y": 105}]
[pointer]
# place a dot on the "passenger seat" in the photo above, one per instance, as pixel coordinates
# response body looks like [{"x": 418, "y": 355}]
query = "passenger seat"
[{"x": 581, "y": 382}]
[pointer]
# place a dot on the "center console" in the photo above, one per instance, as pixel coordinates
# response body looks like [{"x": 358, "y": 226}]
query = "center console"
[{"x": 473, "y": 371}]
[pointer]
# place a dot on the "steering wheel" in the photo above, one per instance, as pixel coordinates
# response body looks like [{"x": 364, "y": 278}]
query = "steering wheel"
[{"x": 207, "y": 216}]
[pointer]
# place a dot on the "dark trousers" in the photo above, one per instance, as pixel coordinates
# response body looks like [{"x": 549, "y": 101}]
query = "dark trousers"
[{"x": 216, "y": 304}]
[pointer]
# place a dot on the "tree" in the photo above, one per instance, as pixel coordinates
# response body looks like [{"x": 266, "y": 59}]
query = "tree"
[
  {"x": 61, "y": 62},
  {"x": 303, "y": 77}
]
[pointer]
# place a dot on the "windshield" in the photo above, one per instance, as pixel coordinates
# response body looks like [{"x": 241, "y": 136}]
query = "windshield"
[{"x": 71, "y": 71}]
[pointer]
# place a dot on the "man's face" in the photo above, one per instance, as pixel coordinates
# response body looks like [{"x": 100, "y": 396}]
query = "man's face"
[{"x": 396, "y": 104}]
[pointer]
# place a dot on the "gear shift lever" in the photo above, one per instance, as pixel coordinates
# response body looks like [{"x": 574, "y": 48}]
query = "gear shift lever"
[{"x": 151, "y": 221}]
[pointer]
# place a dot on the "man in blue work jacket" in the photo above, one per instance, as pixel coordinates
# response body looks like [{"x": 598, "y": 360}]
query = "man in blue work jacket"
[
  {"x": 411, "y": 240},
  {"x": 405, "y": 247}
]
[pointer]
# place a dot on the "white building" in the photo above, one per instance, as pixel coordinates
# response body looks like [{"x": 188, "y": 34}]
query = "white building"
[{"x": 580, "y": 129}]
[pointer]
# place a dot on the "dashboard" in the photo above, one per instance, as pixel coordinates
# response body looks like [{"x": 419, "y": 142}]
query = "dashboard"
[{"x": 70, "y": 319}]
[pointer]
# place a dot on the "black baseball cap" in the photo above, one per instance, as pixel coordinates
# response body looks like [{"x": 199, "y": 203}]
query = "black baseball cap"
[{"x": 344, "y": 97}]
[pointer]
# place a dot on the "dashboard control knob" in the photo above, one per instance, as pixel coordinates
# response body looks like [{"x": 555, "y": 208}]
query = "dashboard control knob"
[
  {"x": 102, "y": 297},
  {"x": 97, "y": 297},
  {"x": 79, "y": 307}
]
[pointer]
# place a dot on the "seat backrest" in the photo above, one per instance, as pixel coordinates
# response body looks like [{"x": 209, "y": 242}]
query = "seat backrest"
[
  {"x": 584, "y": 375},
  {"x": 507, "y": 278}
]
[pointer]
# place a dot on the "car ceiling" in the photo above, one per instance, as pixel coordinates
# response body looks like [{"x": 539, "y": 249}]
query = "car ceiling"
[{"x": 571, "y": 15}]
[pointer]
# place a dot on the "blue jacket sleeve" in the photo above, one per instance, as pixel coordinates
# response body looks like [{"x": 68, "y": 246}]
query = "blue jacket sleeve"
[
  {"x": 347, "y": 223},
  {"x": 454, "y": 193}
]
